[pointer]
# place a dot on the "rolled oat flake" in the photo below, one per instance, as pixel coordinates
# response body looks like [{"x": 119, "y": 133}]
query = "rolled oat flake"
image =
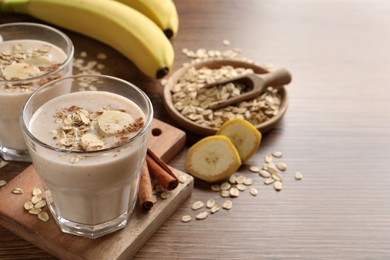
[
  {"x": 43, "y": 216},
  {"x": 227, "y": 204},
  {"x": 197, "y": 205},
  {"x": 202, "y": 215},
  {"x": 186, "y": 218}
]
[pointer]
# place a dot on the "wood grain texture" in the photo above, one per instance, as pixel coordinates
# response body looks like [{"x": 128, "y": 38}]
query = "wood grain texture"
[{"x": 336, "y": 132}]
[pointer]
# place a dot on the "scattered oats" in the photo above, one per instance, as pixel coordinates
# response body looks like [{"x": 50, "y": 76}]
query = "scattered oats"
[
  {"x": 264, "y": 174},
  {"x": 281, "y": 166},
  {"x": 277, "y": 154},
  {"x": 3, "y": 183},
  {"x": 268, "y": 158},
  {"x": 248, "y": 181},
  {"x": 3, "y": 163},
  {"x": 227, "y": 204},
  {"x": 241, "y": 187},
  {"x": 269, "y": 180},
  {"x": 253, "y": 191},
  {"x": 164, "y": 195},
  {"x": 43, "y": 216},
  {"x": 197, "y": 205},
  {"x": 254, "y": 169},
  {"x": 48, "y": 196},
  {"x": 186, "y": 218},
  {"x": 240, "y": 179},
  {"x": 17, "y": 191},
  {"x": 101, "y": 56},
  {"x": 28, "y": 205},
  {"x": 276, "y": 176},
  {"x": 298, "y": 176},
  {"x": 202, "y": 215},
  {"x": 215, "y": 209},
  {"x": 226, "y": 42},
  {"x": 159, "y": 188},
  {"x": 232, "y": 179},
  {"x": 36, "y": 192},
  {"x": 225, "y": 186},
  {"x": 36, "y": 199},
  {"x": 215, "y": 187},
  {"x": 277, "y": 185},
  {"x": 35, "y": 211},
  {"x": 272, "y": 170},
  {"x": 210, "y": 203},
  {"x": 83, "y": 54},
  {"x": 234, "y": 192},
  {"x": 182, "y": 178},
  {"x": 225, "y": 193},
  {"x": 40, "y": 204}
]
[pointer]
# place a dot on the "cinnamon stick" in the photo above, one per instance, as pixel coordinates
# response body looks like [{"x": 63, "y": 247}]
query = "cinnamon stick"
[
  {"x": 160, "y": 170},
  {"x": 145, "y": 192}
]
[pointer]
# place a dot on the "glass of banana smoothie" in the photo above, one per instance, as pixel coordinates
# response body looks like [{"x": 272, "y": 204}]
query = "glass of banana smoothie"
[
  {"x": 88, "y": 147},
  {"x": 30, "y": 55}
]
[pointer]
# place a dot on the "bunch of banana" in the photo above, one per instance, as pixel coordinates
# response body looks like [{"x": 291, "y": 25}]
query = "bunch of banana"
[
  {"x": 124, "y": 28},
  {"x": 162, "y": 12}
]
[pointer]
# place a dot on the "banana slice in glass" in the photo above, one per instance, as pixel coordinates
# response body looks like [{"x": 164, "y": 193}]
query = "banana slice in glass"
[
  {"x": 113, "y": 122},
  {"x": 19, "y": 71},
  {"x": 39, "y": 60}
]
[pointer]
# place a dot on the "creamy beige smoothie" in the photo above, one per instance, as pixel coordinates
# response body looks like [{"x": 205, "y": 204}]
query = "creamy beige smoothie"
[
  {"x": 20, "y": 61},
  {"x": 95, "y": 183}
]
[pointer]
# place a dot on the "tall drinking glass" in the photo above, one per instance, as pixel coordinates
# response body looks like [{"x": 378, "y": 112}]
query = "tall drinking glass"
[
  {"x": 31, "y": 55},
  {"x": 88, "y": 147}
]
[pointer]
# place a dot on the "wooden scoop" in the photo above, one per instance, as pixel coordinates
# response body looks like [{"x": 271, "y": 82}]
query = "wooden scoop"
[{"x": 257, "y": 83}]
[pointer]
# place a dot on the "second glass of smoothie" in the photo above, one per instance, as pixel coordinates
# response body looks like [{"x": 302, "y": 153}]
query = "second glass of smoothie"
[
  {"x": 31, "y": 55},
  {"x": 88, "y": 148}
]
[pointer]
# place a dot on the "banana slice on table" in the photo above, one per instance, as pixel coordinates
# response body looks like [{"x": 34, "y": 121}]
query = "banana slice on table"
[
  {"x": 245, "y": 137},
  {"x": 91, "y": 142},
  {"x": 113, "y": 122},
  {"x": 18, "y": 71},
  {"x": 212, "y": 159}
]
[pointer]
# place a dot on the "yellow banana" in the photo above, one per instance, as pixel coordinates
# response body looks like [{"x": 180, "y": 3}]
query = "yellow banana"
[
  {"x": 113, "y": 23},
  {"x": 162, "y": 12}
]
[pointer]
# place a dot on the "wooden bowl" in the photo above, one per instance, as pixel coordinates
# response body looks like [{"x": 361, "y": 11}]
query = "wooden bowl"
[{"x": 215, "y": 64}]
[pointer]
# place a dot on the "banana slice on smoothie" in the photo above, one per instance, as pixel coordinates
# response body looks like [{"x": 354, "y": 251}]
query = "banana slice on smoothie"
[
  {"x": 113, "y": 122},
  {"x": 39, "y": 60},
  {"x": 19, "y": 71},
  {"x": 212, "y": 159}
]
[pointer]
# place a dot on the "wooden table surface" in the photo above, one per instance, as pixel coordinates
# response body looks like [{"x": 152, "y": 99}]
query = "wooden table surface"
[{"x": 336, "y": 132}]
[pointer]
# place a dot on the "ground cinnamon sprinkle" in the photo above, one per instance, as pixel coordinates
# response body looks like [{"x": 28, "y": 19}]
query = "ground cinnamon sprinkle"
[
  {"x": 136, "y": 126},
  {"x": 72, "y": 108}
]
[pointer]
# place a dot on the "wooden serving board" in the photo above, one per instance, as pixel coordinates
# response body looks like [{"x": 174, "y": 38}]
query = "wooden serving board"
[{"x": 166, "y": 141}]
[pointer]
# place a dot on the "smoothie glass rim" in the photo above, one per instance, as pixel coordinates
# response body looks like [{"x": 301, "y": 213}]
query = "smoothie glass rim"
[
  {"x": 147, "y": 123},
  {"x": 69, "y": 44}
]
